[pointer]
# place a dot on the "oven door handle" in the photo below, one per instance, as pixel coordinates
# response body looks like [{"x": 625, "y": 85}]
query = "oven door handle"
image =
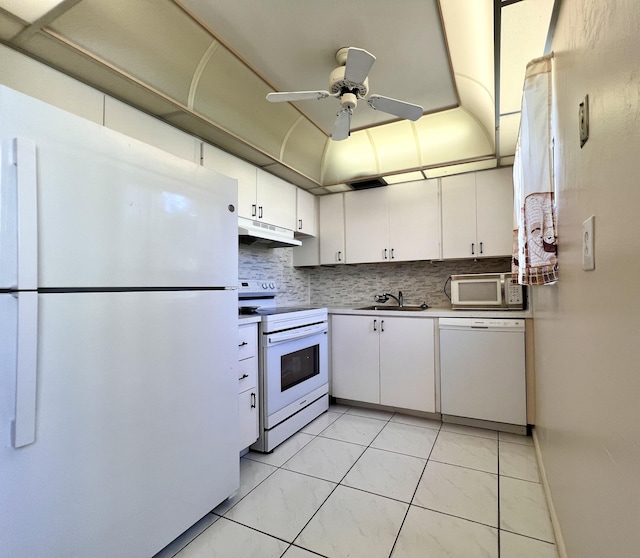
[{"x": 296, "y": 333}]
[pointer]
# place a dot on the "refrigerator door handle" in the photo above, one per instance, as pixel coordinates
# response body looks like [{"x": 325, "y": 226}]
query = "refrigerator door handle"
[
  {"x": 24, "y": 423},
  {"x": 24, "y": 158}
]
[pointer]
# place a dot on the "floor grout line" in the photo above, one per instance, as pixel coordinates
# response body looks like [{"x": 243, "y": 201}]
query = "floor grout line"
[
  {"x": 366, "y": 447},
  {"x": 393, "y": 546}
]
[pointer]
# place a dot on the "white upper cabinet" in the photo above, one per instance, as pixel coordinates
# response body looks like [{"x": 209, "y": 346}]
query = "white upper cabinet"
[
  {"x": 367, "y": 225},
  {"x": 275, "y": 201},
  {"x": 243, "y": 172},
  {"x": 459, "y": 216},
  {"x": 332, "y": 239},
  {"x": 494, "y": 199},
  {"x": 399, "y": 222},
  {"x": 414, "y": 221},
  {"x": 477, "y": 214},
  {"x": 261, "y": 196},
  {"x": 306, "y": 213}
]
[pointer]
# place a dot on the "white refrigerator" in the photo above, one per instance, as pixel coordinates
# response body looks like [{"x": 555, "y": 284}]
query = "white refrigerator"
[{"x": 118, "y": 338}]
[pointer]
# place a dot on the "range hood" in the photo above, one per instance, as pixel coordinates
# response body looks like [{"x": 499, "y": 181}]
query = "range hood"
[{"x": 251, "y": 232}]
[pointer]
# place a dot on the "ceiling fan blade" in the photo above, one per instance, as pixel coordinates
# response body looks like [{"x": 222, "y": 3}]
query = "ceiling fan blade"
[
  {"x": 342, "y": 125},
  {"x": 289, "y": 96},
  {"x": 395, "y": 107},
  {"x": 358, "y": 65}
]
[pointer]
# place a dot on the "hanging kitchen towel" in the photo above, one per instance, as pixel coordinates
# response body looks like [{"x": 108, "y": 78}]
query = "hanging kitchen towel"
[{"x": 535, "y": 258}]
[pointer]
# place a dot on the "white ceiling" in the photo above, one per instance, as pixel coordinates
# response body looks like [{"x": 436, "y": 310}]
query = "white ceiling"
[
  {"x": 206, "y": 66},
  {"x": 292, "y": 44}
]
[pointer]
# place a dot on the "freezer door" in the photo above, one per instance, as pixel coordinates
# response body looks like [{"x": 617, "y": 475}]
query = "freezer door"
[
  {"x": 136, "y": 422},
  {"x": 105, "y": 210}
]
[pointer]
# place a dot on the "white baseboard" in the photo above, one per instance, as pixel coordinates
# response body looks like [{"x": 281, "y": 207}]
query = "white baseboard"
[{"x": 555, "y": 523}]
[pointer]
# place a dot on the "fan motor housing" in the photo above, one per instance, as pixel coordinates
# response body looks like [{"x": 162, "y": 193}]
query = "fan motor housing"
[{"x": 338, "y": 84}]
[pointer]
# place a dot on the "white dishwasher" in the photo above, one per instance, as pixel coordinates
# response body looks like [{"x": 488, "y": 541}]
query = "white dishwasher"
[{"x": 482, "y": 369}]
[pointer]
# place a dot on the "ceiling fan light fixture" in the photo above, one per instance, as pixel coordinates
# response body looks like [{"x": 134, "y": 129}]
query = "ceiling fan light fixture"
[
  {"x": 349, "y": 101},
  {"x": 348, "y": 83},
  {"x": 338, "y": 83}
]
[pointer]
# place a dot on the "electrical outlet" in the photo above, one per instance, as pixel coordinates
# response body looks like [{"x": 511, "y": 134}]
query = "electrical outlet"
[
  {"x": 588, "y": 256},
  {"x": 583, "y": 120}
]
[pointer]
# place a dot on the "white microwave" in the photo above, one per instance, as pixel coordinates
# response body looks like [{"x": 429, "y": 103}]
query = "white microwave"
[{"x": 487, "y": 291}]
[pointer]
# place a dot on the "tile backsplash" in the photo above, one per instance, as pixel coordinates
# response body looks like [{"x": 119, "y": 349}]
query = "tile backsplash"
[
  {"x": 257, "y": 262},
  {"x": 419, "y": 281},
  {"x": 346, "y": 285}
]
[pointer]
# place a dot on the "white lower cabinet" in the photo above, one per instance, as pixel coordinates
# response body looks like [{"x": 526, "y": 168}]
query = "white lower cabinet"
[
  {"x": 248, "y": 384},
  {"x": 384, "y": 360}
]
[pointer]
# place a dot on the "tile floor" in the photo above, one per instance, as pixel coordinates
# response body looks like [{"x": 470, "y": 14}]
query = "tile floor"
[{"x": 366, "y": 483}]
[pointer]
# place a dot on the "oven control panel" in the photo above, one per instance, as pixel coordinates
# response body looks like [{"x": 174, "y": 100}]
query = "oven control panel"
[{"x": 256, "y": 288}]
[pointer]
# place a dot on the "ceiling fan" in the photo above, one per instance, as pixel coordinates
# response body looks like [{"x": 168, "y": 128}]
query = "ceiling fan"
[{"x": 348, "y": 83}]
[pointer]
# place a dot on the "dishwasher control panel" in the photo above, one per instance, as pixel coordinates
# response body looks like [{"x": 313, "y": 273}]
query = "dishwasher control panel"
[{"x": 481, "y": 323}]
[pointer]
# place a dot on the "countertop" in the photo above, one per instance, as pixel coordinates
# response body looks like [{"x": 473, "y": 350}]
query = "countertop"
[
  {"x": 429, "y": 313},
  {"x": 435, "y": 313},
  {"x": 249, "y": 319}
]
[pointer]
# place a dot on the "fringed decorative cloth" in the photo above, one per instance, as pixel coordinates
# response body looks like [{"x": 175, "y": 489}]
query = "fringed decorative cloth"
[{"x": 535, "y": 256}]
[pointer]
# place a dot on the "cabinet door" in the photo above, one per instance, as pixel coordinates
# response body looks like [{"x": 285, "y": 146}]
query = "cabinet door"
[
  {"x": 332, "y": 249},
  {"x": 242, "y": 171},
  {"x": 276, "y": 200},
  {"x": 494, "y": 196},
  {"x": 248, "y": 407},
  {"x": 367, "y": 225},
  {"x": 407, "y": 363},
  {"x": 306, "y": 211},
  {"x": 355, "y": 358},
  {"x": 248, "y": 341},
  {"x": 459, "y": 216},
  {"x": 414, "y": 221}
]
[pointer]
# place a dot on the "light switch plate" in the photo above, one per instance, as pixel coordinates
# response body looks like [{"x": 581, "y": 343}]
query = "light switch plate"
[
  {"x": 588, "y": 256},
  {"x": 583, "y": 120}
]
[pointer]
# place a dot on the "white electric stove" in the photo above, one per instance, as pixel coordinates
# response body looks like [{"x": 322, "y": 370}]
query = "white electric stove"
[{"x": 293, "y": 364}]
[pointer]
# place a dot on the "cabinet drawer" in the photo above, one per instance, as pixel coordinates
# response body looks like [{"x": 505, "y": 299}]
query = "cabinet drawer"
[
  {"x": 248, "y": 411},
  {"x": 248, "y": 341},
  {"x": 247, "y": 374}
]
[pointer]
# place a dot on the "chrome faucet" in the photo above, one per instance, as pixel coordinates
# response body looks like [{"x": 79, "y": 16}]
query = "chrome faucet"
[{"x": 385, "y": 296}]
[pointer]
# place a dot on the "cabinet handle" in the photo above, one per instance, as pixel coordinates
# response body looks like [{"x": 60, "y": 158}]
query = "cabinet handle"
[
  {"x": 299, "y": 224},
  {"x": 339, "y": 256},
  {"x": 243, "y": 344},
  {"x": 382, "y": 326},
  {"x": 253, "y": 400},
  {"x": 392, "y": 256},
  {"x": 481, "y": 247},
  {"x": 374, "y": 325},
  {"x": 259, "y": 212},
  {"x": 254, "y": 210},
  {"x": 473, "y": 248},
  {"x": 385, "y": 253},
  {"x": 243, "y": 376}
]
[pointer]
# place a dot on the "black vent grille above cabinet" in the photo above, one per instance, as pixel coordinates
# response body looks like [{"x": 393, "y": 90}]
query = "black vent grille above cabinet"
[{"x": 365, "y": 184}]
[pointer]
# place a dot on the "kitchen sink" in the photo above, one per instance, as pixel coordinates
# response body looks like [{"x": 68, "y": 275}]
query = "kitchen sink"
[{"x": 394, "y": 308}]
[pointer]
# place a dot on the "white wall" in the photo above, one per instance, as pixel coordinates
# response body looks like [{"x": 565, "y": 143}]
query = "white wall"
[{"x": 587, "y": 326}]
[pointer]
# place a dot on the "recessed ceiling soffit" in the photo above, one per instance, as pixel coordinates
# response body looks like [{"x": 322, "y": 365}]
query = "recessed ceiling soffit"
[{"x": 208, "y": 72}]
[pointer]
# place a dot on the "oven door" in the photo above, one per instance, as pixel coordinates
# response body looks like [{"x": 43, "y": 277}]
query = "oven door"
[{"x": 294, "y": 365}]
